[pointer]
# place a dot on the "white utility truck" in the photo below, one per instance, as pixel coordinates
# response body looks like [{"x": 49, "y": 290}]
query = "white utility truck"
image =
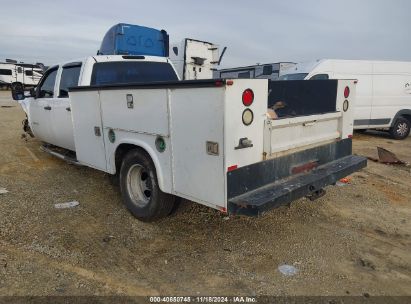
[
  {"x": 383, "y": 90},
  {"x": 208, "y": 141}
]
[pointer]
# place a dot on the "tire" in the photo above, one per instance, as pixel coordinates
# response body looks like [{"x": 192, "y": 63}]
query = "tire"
[
  {"x": 400, "y": 129},
  {"x": 139, "y": 188}
]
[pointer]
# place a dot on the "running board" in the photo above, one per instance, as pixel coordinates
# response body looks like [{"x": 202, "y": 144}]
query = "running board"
[{"x": 52, "y": 150}]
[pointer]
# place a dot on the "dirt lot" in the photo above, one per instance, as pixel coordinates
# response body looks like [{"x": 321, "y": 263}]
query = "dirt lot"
[{"x": 355, "y": 240}]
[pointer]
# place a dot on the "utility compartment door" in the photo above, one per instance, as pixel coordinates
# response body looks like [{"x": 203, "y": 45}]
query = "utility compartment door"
[
  {"x": 197, "y": 118},
  {"x": 88, "y": 131}
]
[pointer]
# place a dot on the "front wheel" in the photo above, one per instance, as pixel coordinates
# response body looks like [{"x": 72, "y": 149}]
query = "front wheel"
[
  {"x": 139, "y": 188},
  {"x": 400, "y": 129}
]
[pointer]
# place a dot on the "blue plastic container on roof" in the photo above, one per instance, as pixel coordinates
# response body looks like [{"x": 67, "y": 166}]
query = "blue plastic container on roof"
[{"x": 130, "y": 39}]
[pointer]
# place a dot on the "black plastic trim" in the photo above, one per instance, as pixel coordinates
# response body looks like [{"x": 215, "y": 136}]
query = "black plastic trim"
[
  {"x": 73, "y": 64},
  {"x": 155, "y": 85},
  {"x": 365, "y": 122},
  {"x": 403, "y": 112},
  {"x": 133, "y": 57}
]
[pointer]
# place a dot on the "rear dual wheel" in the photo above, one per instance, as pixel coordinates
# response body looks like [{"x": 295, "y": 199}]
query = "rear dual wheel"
[{"x": 139, "y": 188}]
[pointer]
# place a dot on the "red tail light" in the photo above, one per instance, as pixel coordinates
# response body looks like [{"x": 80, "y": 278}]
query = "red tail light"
[
  {"x": 346, "y": 92},
  {"x": 248, "y": 97}
]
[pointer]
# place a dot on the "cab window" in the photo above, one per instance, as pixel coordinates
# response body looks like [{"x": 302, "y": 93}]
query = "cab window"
[
  {"x": 69, "y": 78},
  {"x": 114, "y": 72},
  {"x": 320, "y": 77},
  {"x": 46, "y": 89}
]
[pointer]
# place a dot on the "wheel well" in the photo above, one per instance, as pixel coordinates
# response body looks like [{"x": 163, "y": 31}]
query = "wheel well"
[
  {"x": 407, "y": 117},
  {"x": 406, "y": 113},
  {"x": 122, "y": 150}
]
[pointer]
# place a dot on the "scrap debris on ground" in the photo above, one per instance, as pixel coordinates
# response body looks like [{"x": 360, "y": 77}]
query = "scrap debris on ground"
[{"x": 386, "y": 157}]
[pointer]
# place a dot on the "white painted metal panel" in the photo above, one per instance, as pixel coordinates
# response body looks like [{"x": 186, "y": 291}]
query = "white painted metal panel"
[
  {"x": 197, "y": 116},
  {"x": 347, "y": 119},
  {"x": 149, "y": 113},
  {"x": 287, "y": 134},
  {"x": 390, "y": 95},
  {"x": 234, "y": 127},
  {"x": 85, "y": 108}
]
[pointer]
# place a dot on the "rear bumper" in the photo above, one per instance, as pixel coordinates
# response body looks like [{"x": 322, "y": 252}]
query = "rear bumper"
[{"x": 285, "y": 190}]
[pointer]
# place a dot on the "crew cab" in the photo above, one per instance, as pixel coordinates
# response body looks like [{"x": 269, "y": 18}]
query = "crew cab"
[
  {"x": 49, "y": 110},
  {"x": 209, "y": 141}
]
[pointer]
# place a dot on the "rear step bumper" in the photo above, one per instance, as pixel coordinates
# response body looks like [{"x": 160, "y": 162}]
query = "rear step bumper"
[{"x": 288, "y": 189}]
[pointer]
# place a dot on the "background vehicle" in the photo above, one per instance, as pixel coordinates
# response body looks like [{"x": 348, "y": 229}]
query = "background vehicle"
[
  {"x": 24, "y": 73},
  {"x": 270, "y": 71},
  {"x": 132, "y": 39},
  {"x": 195, "y": 59},
  {"x": 383, "y": 90}
]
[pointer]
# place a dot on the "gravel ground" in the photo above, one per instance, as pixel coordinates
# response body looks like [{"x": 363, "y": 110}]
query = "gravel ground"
[{"x": 353, "y": 241}]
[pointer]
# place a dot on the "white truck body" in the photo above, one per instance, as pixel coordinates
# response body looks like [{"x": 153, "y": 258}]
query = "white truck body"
[
  {"x": 383, "y": 89},
  {"x": 210, "y": 141},
  {"x": 194, "y": 59},
  {"x": 190, "y": 118}
]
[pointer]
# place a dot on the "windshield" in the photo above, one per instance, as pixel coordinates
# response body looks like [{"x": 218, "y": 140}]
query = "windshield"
[
  {"x": 296, "y": 76},
  {"x": 114, "y": 72}
]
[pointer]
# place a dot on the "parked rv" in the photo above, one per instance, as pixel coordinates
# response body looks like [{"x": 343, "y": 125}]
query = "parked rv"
[
  {"x": 271, "y": 71},
  {"x": 383, "y": 90},
  {"x": 26, "y": 74}
]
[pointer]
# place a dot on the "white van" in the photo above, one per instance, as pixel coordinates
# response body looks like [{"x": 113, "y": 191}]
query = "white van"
[{"x": 383, "y": 90}]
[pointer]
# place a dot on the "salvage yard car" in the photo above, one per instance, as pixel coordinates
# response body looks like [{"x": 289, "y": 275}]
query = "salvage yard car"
[{"x": 209, "y": 141}]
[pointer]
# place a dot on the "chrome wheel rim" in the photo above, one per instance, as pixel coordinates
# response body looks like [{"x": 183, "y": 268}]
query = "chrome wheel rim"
[
  {"x": 402, "y": 129},
  {"x": 139, "y": 185}
]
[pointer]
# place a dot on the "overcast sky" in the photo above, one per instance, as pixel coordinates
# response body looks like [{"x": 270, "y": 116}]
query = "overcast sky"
[{"x": 254, "y": 31}]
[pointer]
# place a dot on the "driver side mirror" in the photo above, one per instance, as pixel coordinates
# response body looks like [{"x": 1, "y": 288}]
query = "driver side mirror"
[
  {"x": 32, "y": 92},
  {"x": 17, "y": 91}
]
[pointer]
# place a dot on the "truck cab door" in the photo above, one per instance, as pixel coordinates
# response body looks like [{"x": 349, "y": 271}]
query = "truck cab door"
[
  {"x": 61, "y": 121},
  {"x": 40, "y": 108}
]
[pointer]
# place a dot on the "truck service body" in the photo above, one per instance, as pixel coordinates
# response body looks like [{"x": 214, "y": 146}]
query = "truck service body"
[{"x": 208, "y": 141}]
